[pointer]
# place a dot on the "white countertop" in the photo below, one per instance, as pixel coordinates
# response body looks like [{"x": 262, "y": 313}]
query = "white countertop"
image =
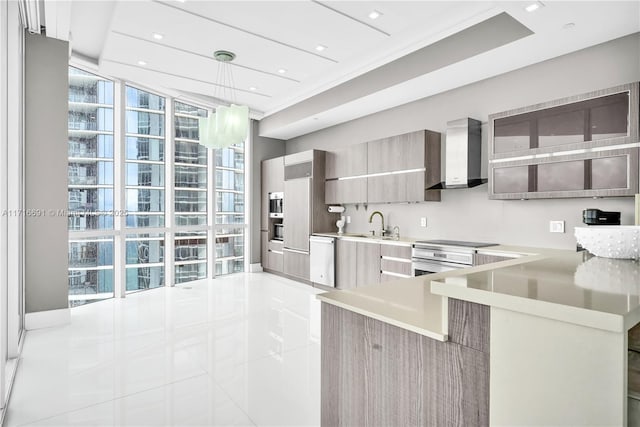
[{"x": 563, "y": 285}]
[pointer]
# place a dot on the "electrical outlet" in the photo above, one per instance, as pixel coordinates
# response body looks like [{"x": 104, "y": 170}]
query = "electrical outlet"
[
  {"x": 423, "y": 222},
  {"x": 556, "y": 226},
  {"x": 348, "y": 219}
]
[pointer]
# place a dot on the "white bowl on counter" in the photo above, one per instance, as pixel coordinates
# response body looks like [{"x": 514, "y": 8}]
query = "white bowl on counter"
[{"x": 610, "y": 241}]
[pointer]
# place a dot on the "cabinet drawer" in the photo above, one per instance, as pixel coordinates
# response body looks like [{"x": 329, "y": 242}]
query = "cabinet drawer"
[
  {"x": 398, "y": 267},
  {"x": 275, "y": 245},
  {"x": 275, "y": 261},
  {"x": 395, "y": 251},
  {"x": 296, "y": 264}
]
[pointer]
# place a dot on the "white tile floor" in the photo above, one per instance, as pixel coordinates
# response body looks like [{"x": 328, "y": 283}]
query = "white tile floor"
[{"x": 238, "y": 350}]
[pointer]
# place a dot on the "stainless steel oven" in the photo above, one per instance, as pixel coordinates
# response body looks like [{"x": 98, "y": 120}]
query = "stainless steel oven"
[
  {"x": 437, "y": 256},
  {"x": 276, "y": 205}
]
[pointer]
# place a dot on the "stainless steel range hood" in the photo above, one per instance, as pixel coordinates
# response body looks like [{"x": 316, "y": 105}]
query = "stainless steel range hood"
[{"x": 463, "y": 155}]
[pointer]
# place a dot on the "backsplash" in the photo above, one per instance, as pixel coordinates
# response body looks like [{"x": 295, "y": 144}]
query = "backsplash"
[{"x": 469, "y": 215}]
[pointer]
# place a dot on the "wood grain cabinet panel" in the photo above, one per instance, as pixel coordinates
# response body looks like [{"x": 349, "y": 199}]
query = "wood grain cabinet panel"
[
  {"x": 351, "y": 161},
  {"x": 376, "y": 374},
  {"x": 401, "y": 152},
  {"x": 395, "y": 251},
  {"x": 367, "y": 264},
  {"x": 481, "y": 259},
  {"x": 346, "y": 264},
  {"x": 296, "y": 264},
  {"x": 346, "y": 191},
  {"x": 264, "y": 249},
  {"x": 297, "y": 211}
]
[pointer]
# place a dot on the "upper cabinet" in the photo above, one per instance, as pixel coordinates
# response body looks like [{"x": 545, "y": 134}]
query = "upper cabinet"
[
  {"x": 388, "y": 170},
  {"x": 582, "y": 146}
]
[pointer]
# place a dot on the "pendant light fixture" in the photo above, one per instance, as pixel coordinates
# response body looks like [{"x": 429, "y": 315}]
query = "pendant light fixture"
[{"x": 227, "y": 125}]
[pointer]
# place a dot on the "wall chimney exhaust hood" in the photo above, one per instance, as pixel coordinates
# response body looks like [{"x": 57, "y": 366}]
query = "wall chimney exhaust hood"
[{"x": 463, "y": 155}]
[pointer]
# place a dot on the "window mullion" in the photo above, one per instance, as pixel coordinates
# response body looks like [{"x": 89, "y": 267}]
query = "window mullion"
[
  {"x": 169, "y": 178},
  {"x": 119, "y": 221}
]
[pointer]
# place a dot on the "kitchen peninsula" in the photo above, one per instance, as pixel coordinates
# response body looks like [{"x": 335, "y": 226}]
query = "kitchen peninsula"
[{"x": 537, "y": 340}]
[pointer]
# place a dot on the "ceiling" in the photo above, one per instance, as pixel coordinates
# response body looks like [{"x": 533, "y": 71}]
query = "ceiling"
[{"x": 368, "y": 65}]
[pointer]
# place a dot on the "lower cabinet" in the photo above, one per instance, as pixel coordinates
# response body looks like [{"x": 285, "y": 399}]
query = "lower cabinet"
[
  {"x": 345, "y": 263},
  {"x": 296, "y": 264},
  {"x": 264, "y": 249},
  {"x": 275, "y": 256},
  {"x": 357, "y": 263},
  {"x": 376, "y": 374},
  {"x": 367, "y": 264},
  {"x": 395, "y": 262}
]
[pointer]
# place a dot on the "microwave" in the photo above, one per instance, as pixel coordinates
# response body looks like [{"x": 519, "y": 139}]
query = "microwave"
[
  {"x": 276, "y": 205},
  {"x": 278, "y": 232}
]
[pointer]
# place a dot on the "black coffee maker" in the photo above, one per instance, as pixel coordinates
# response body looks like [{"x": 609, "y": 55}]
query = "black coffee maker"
[{"x": 598, "y": 217}]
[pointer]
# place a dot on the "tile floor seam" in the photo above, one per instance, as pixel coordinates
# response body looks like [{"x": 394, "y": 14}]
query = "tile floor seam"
[
  {"x": 226, "y": 393},
  {"x": 112, "y": 400}
]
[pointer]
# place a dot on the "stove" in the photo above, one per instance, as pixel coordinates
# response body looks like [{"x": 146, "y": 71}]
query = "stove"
[
  {"x": 436, "y": 256},
  {"x": 456, "y": 243}
]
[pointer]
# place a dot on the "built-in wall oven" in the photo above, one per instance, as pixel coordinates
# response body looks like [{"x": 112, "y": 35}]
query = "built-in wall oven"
[
  {"x": 276, "y": 205},
  {"x": 437, "y": 256}
]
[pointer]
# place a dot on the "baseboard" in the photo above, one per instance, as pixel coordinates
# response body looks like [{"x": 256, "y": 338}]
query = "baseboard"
[
  {"x": 255, "y": 268},
  {"x": 47, "y": 319}
]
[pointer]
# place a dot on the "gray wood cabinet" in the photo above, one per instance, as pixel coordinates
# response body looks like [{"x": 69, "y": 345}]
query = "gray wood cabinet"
[
  {"x": 346, "y": 263},
  {"x": 376, "y": 374},
  {"x": 560, "y": 148},
  {"x": 264, "y": 249},
  {"x": 401, "y": 152},
  {"x": 357, "y": 264},
  {"x": 346, "y": 191},
  {"x": 351, "y": 161},
  {"x": 297, "y": 211},
  {"x": 367, "y": 264},
  {"x": 395, "y": 262},
  {"x": 296, "y": 264},
  {"x": 275, "y": 256},
  {"x": 418, "y": 152},
  {"x": 272, "y": 179},
  {"x": 409, "y": 164}
]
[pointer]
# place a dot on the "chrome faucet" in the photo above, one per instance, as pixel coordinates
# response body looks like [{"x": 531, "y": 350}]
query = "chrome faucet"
[{"x": 381, "y": 217}]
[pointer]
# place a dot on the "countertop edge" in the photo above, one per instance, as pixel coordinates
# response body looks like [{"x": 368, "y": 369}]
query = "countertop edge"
[
  {"x": 439, "y": 336},
  {"x": 548, "y": 310}
]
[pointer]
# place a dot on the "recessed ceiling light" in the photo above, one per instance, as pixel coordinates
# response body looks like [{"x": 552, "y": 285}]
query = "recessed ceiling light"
[
  {"x": 282, "y": 71},
  {"x": 252, "y": 88},
  {"x": 157, "y": 36},
  {"x": 142, "y": 63},
  {"x": 181, "y": 1},
  {"x": 320, "y": 48},
  {"x": 534, "y": 6},
  {"x": 374, "y": 14}
]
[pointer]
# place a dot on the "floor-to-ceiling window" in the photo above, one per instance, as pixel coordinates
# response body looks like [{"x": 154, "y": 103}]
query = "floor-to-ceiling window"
[
  {"x": 144, "y": 189},
  {"x": 144, "y": 211},
  {"x": 230, "y": 209},
  {"x": 90, "y": 187},
  {"x": 190, "y": 195}
]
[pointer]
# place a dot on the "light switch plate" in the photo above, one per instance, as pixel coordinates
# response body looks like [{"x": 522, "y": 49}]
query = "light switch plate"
[
  {"x": 348, "y": 219},
  {"x": 423, "y": 222},
  {"x": 556, "y": 226}
]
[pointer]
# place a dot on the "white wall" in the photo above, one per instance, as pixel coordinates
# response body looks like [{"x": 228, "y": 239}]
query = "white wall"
[{"x": 468, "y": 214}]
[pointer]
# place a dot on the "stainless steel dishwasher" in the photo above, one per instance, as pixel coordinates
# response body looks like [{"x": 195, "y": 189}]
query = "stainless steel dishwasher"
[{"x": 323, "y": 250}]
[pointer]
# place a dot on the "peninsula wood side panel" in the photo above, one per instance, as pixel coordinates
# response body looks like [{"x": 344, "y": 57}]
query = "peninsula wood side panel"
[{"x": 376, "y": 374}]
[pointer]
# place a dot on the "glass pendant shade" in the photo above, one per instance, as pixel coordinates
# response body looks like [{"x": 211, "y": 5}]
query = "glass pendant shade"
[{"x": 227, "y": 126}]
